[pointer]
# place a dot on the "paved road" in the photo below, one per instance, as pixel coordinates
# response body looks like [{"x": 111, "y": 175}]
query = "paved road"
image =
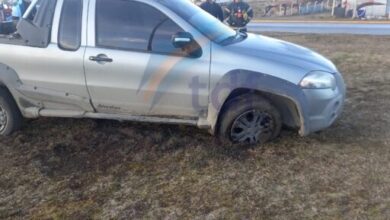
[{"x": 320, "y": 28}]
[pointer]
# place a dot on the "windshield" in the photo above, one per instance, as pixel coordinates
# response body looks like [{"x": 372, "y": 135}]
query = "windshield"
[{"x": 201, "y": 20}]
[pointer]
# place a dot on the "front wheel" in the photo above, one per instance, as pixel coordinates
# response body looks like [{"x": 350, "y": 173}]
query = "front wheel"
[{"x": 249, "y": 119}]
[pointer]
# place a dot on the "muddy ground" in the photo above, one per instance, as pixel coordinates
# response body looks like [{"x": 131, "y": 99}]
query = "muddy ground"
[{"x": 84, "y": 169}]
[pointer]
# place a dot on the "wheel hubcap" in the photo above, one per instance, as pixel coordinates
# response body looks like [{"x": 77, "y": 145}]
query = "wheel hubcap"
[
  {"x": 252, "y": 127},
  {"x": 3, "y": 119}
]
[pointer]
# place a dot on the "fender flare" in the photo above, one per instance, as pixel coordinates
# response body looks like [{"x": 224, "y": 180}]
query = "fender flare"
[
  {"x": 10, "y": 79},
  {"x": 246, "y": 79}
]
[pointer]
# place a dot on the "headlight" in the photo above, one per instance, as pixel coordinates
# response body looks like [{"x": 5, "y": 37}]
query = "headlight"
[{"x": 319, "y": 80}]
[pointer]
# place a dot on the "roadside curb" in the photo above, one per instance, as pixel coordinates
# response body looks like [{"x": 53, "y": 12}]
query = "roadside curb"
[{"x": 320, "y": 22}]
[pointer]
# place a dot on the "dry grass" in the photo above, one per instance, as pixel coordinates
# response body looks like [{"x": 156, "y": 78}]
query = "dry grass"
[{"x": 82, "y": 169}]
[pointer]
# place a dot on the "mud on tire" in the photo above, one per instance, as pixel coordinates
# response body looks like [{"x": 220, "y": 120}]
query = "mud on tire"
[{"x": 249, "y": 119}]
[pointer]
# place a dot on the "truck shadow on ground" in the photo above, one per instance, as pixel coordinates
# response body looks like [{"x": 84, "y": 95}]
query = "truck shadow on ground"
[{"x": 67, "y": 147}]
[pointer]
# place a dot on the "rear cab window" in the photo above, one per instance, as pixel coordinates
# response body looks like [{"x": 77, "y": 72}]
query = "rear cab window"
[{"x": 35, "y": 27}]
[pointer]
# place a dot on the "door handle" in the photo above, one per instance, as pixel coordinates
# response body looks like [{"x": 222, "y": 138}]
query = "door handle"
[{"x": 101, "y": 58}]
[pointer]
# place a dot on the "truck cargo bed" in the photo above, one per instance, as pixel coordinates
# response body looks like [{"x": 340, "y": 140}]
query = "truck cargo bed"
[{"x": 9, "y": 39}]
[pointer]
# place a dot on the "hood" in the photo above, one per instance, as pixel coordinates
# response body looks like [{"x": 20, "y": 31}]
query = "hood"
[{"x": 283, "y": 53}]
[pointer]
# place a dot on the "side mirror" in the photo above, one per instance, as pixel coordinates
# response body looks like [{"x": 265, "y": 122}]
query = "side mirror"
[{"x": 182, "y": 39}]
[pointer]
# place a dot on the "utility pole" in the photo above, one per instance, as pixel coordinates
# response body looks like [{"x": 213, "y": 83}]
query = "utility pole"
[
  {"x": 334, "y": 5},
  {"x": 354, "y": 7},
  {"x": 388, "y": 9}
]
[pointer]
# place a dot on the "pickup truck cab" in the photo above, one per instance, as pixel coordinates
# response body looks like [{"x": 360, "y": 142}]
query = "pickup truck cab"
[{"x": 163, "y": 61}]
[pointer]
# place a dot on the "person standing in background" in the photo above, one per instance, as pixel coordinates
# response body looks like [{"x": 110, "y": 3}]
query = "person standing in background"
[
  {"x": 16, "y": 12},
  {"x": 6, "y": 19},
  {"x": 17, "y": 9},
  {"x": 213, "y": 8},
  {"x": 6, "y": 11},
  {"x": 240, "y": 14}
]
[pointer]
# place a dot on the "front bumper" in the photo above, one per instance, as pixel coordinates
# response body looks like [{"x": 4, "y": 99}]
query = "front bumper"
[{"x": 324, "y": 106}]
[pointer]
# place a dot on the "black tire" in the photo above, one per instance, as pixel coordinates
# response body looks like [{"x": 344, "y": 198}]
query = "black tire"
[
  {"x": 10, "y": 117},
  {"x": 235, "y": 121}
]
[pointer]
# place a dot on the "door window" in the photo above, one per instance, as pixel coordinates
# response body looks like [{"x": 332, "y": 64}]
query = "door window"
[{"x": 131, "y": 25}]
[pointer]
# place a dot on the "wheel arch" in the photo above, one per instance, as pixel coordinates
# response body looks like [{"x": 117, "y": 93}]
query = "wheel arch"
[
  {"x": 286, "y": 107},
  {"x": 10, "y": 81},
  {"x": 287, "y": 97}
]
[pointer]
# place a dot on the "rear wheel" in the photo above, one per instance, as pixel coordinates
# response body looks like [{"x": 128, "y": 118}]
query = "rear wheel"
[
  {"x": 249, "y": 119},
  {"x": 10, "y": 116}
]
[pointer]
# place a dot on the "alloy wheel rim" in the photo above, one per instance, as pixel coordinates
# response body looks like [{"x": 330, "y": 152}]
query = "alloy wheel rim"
[
  {"x": 252, "y": 127},
  {"x": 3, "y": 119}
]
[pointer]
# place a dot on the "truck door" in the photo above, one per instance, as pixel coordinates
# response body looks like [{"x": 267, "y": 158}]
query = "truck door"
[
  {"x": 132, "y": 66},
  {"x": 50, "y": 64}
]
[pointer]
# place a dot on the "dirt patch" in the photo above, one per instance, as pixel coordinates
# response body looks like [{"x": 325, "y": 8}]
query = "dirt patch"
[{"x": 82, "y": 169}]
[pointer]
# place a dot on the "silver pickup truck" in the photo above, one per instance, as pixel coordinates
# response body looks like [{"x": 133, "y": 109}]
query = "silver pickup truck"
[{"x": 163, "y": 61}]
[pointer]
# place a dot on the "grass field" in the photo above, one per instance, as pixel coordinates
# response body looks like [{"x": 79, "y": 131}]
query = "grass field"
[{"x": 83, "y": 169}]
